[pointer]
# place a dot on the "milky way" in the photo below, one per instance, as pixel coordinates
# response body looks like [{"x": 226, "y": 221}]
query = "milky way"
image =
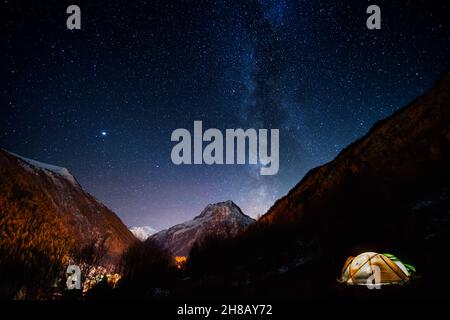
[{"x": 103, "y": 101}]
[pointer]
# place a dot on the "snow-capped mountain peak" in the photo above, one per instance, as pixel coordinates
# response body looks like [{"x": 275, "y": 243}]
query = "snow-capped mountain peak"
[
  {"x": 226, "y": 210},
  {"x": 223, "y": 219},
  {"x": 142, "y": 233}
]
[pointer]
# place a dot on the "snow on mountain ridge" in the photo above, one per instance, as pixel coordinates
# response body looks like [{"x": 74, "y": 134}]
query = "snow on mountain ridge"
[{"x": 63, "y": 172}]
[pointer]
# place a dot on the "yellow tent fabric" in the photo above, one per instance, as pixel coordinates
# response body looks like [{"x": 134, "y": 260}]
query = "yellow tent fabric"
[{"x": 373, "y": 268}]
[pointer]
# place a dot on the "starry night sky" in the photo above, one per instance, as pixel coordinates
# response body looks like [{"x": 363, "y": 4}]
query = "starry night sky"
[{"x": 104, "y": 100}]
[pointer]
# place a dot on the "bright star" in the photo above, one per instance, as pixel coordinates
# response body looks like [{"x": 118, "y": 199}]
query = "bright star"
[{"x": 104, "y": 133}]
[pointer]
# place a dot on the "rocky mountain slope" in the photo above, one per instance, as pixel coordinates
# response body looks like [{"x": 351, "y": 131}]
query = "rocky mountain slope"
[
  {"x": 223, "y": 219},
  {"x": 379, "y": 176},
  {"x": 31, "y": 191}
]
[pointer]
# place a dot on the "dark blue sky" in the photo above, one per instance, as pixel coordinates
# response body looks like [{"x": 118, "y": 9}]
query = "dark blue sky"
[{"x": 137, "y": 71}]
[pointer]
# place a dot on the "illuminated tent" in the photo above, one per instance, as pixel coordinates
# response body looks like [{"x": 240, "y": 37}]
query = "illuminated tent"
[{"x": 375, "y": 269}]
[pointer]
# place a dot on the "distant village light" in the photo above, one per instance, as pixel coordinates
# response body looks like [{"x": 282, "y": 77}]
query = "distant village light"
[{"x": 180, "y": 261}]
